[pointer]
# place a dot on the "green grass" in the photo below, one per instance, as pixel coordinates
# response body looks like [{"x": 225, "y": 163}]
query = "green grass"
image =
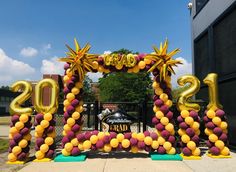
[
  {"x": 3, "y": 145},
  {"x": 5, "y": 120}
]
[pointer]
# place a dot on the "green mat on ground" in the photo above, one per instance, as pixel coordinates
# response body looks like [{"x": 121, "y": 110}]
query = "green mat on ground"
[
  {"x": 62, "y": 158},
  {"x": 165, "y": 157}
]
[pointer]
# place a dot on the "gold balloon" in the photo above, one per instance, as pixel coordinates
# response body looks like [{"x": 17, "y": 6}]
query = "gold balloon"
[
  {"x": 15, "y": 106},
  {"x": 182, "y": 102},
  {"x": 211, "y": 81},
  {"x": 52, "y": 107}
]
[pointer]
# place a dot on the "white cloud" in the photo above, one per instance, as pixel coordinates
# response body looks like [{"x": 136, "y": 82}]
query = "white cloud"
[
  {"x": 52, "y": 66},
  {"x": 185, "y": 68},
  {"x": 107, "y": 52},
  {"x": 11, "y": 69},
  {"x": 46, "y": 48},
  {"x": 94, "y": 76},
  {"x": 28, "y": 52}
]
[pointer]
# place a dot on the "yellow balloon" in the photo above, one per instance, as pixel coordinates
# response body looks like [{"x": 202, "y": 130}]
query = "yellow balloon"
[
  {"x": 155, "y": 85},
  {"x": 120, "y": 137},
  {"x": 76, "y": 115},
  {"x": 134, "y": 135},
  {"x": 195, "y": 126},
  {"x": 220, "y": 144},
  {"x": 167, "y": 145},
  {"x": 39, "y": 155},
  {"x": 16, "y": 150},
  {"x": 12, "y": 157},
  {"x": 95, "y": 64},
  {"x": 191, "y": 145},
  {"x": 39, "y": 106},
  {"x": 65, "y": 153},
  {"x": 15, "y": 105},
  {"x": 79, "y": 109},
  {"x": 172, "y": 151},
  {"x": 66, "y": 78},
  {"x": 211, "y": 114},
  {"x": 24, "y": 118},
  {"x": 107, "y": 148},
  {"x": 125, "y": 143},
  {"x": 147, "y": 61},
  {"x": 211, "y": 81},
  {"x": 208, "y": 131},
  {"x": 49, "y": 141},
  {"x": 155, "y": 144},
  {"x": 87, "y": 145},
  {"x": 155, "y": 108},
  {"x": 223, "y": 125},
  {"x": 140, "y": 136},
  {"x": 23, "y": 143},
  {"x": 141, "y": 65},
  {"x": 13, "y": 130},
  {"x": 164, "y": 120},
  {"x": 68, "y": 147},
  {"x": 74, "y": 142},
  {"x": 136, "y": 69},
  {"x": 161, "y": 140},
  {"x": 114, "y": 143},
  {"x": 182, "y": 101},
  {"x": 164, "y": 97},
  {"x": 79, "y": 85},
  {"x": 169, "y": 103},
  {"x": 158, "y": 91},
  {"x": 27, "y": 137},
  {"x": 70, "y": 122},
  {"x": 19, "y": 125},
  {"x": 225, "y": 151},
  {"x": 67, "y": 127},
  {"x": 216, "y": 120},
  {"x": 70, "y": 97},
  {"x": 159, "y": 114},
  {"x": 148, "y": 140},
  {"x": 75, "y": 90},
  {"x": 93, "y": 139},
  {"x": 169, "y": 127},
  {"x": 44, "y": 148},
  {"x": 47, "y": 116},
  {"x": 185, "y": 138},
  {"x": 66, "y": 103},
  {"x": 213, "y": 138},
  {"x": 80, "y": 146},
  {"x": 44, "y": 123},
  {"x": 134, "y": 149},
  {"x": 189, "y": 120},
  {"x": 184, "y": 113},
  {"x": 101, "y": 135},
  {"x": 196, "y": 152},
  {"x": 181, "y": 132}
]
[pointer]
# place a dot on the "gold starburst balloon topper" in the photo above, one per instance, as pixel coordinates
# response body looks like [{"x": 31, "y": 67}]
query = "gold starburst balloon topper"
[
  {"x": 79, "y": 59},
  {"x": 163, "y": 60}
]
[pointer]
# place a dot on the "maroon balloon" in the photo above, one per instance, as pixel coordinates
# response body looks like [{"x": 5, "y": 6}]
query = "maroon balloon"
[
  {"x": 106, "y": 139},
  {"x": 220, "y": 113},
  {"x": 161, "y": 150},
  {"x": 93, "y": 147},
  {"x": 39, "y": 141},
  {"x": 50, "y": 153},
  {"x": 66, "y": 90},
  {"x": 169, "y": 115},
  {"x": 164, "y": 109},
  {"x": 80, "y": 137},
  {"x": 70, "y": 84},
  {"x": 39, "y": 117},
  {"x": 153, "y": 135},
  {"x": 146, "y": 133},
  {"x": 87, "y": 135},
  {"x": 223, "y": 137},
  {"x": 141, "y": 145},
  {"x": 75, "y": 102},
  {"x": 99, "y": 144},
  {"x": 100, "y": 60},
  {"x": 66, "y": 115},
  {"x": 159, "y": 102},
  {"x": 50, "y": 129},
  {"x": 70, "y": 109},
  {"x": 155, "y": 120},
  {"x": 195, "y": 139},
  {"x": 75, "y": 151},
  {"x": 119, "y": 147},
  {"x": 127, "y": 135},
  {"x": 183, "y": 125},
  {"x": 214, "y": 150},
  {"x": 180, "y": 119},
  {"x": 160, "y": 127},
  {"x": 218, "y": 131},
  {"x": 75, "y": 128},
  {"x": 70, "y": 135},
  {"x": 209, "y": 143},
  {"x": 155, "y": 97},
  {"x": 190, "y": 132},
  {"x": 165, "y": 134},
  {"x": 66, "y": 66},
  {"x": 95, "y": 132},
  {"x": 15, "y": 118},
  {"x": 206, "y": 119},
  {"x": 17, "y": 137},
  {"x": 147, "y": 148},
  {"x": 210, "y": 125},
  {"x": 171, "y": 139},
  {"x": 12, "y": 143},
  {"x": 133, "y": 141},
  {"x": 26, "y": 149},
  {"x": 21, "y": 156},
  {"x": 24, "y": 131},
  {"x": 193, "y": 114},
  {"x": 112, "y": 135},
  {"x": 186, "y": 151}
]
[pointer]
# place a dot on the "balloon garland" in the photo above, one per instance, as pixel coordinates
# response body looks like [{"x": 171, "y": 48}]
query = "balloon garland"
[
  {"x": 189, "y": 120},
  {"x": 44, "y": 121},
  {"x": 215, "y": 121},
  {"x": 19, "y": 137}
]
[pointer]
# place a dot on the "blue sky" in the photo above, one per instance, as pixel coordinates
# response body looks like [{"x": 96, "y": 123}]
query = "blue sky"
[{"x": 34, "y": 33}]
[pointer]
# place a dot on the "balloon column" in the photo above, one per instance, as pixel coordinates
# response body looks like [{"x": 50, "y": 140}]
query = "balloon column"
[
  {"x": 44, "y": 121},
  {"x": 189, "y": 121},
  {"x": 19, "y": 137},
  {"x": 215, "y": 121}
]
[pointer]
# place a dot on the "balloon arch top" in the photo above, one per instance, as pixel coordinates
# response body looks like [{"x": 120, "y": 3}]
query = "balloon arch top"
[{"x": 162, "y": 141}]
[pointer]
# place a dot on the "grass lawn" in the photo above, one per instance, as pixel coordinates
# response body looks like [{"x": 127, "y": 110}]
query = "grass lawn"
[
  {"x": 5, "y": 120},
  {"x": 3, "y": 145}
]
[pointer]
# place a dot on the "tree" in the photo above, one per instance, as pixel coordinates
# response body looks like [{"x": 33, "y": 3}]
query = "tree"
[
  {"x": 125, "y": 87},
  {"x": 88, "y": 92},
  {"x": 177, "y": 91}
]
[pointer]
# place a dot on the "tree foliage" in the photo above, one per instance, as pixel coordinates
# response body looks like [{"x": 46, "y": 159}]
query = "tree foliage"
[{"x": 88, "y": 92}]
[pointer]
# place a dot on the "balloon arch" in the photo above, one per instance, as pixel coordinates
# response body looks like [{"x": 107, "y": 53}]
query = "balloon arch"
[{"x": 161, "y": 143}]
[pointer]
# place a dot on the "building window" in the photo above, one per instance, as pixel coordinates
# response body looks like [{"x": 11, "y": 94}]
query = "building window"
[{"x": 200, "y": 4}]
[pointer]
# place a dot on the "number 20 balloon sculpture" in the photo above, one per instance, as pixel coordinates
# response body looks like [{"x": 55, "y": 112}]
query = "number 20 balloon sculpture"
[{"x": 162, "y": 141}]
